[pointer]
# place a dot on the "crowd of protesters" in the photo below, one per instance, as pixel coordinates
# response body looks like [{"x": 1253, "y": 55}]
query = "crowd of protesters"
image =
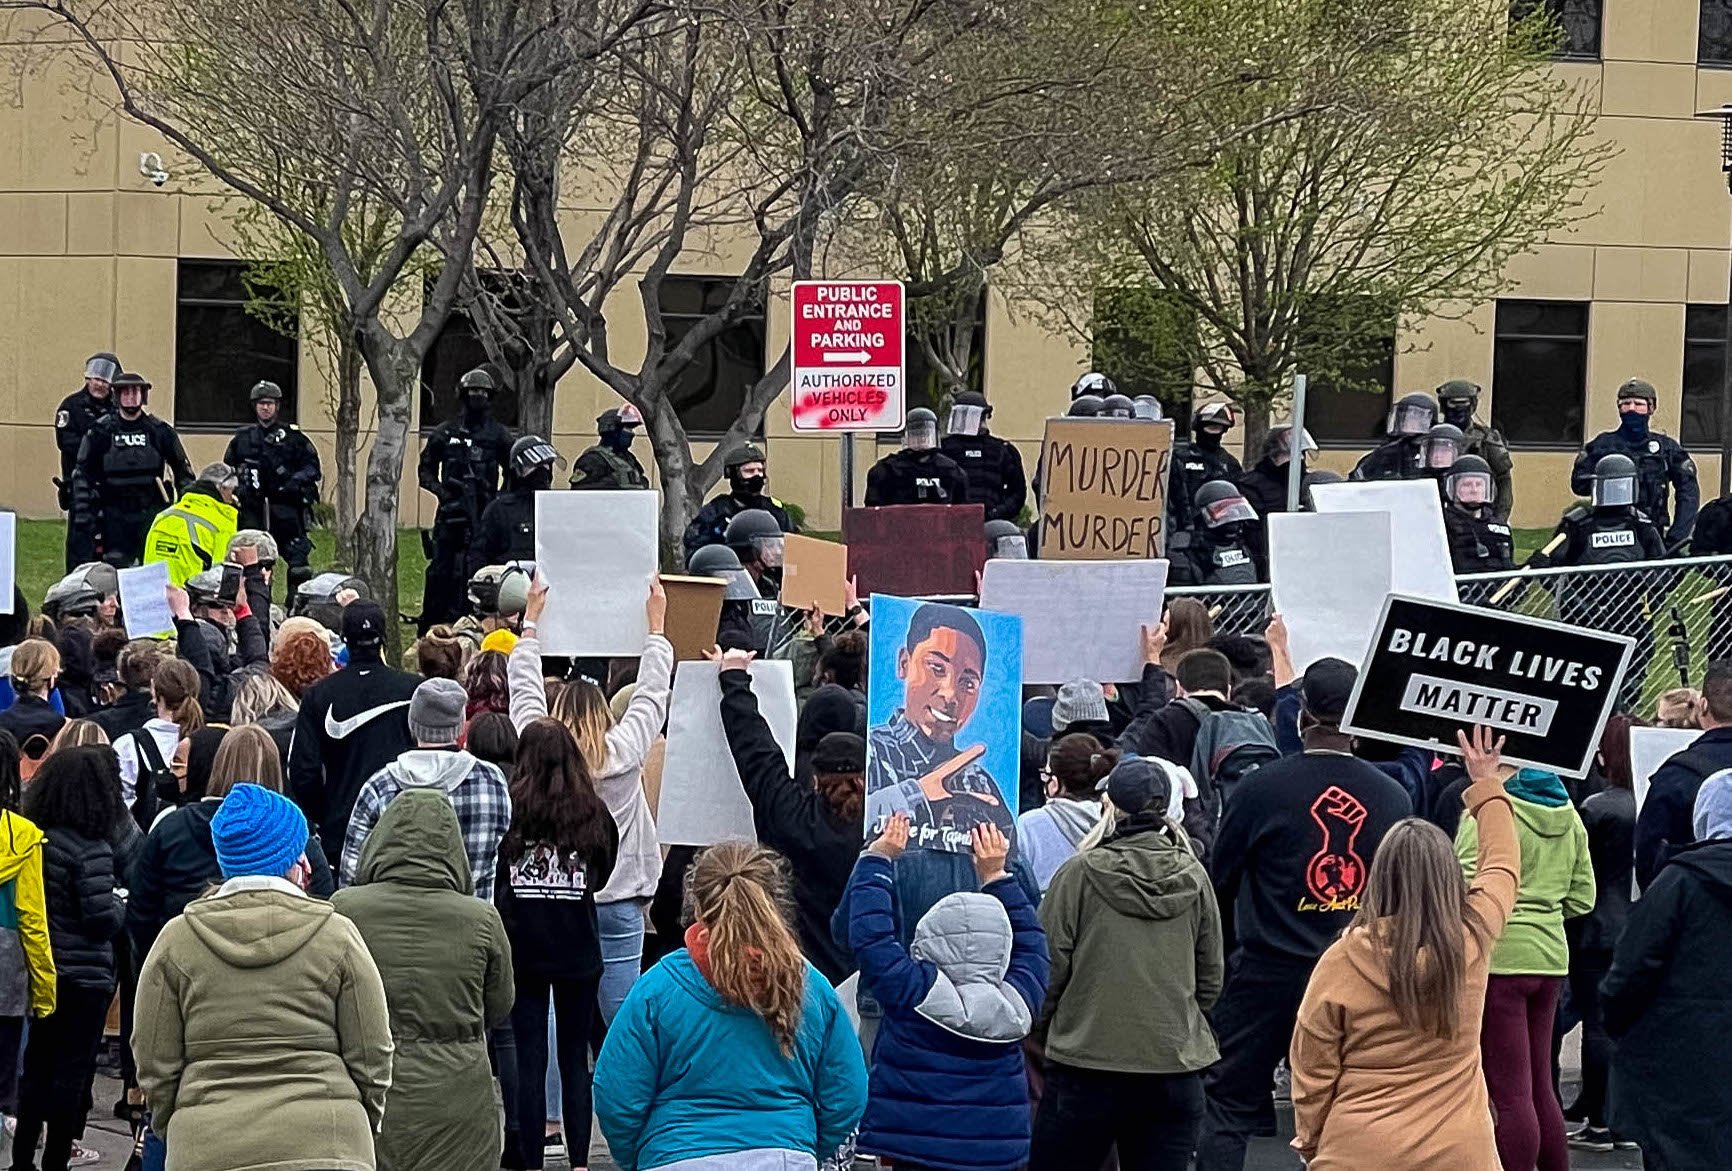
[{"x": 347, "y": 916}]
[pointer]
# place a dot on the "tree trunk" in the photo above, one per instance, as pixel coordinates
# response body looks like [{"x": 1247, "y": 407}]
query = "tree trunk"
[
  {"x": 534, "y": 387},
  {"x": 1255, "y": 427},
  {"x": 681, "y": 497},
  {"x": 348, "y": 422},
  {"x": 395, "y": 368}
]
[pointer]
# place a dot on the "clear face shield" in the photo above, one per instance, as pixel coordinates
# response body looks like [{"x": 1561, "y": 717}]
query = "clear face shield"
[
  {"x": 1614, "y": 491},
  {"x": 966, "y": 419},
  {"x": 101, "y": 370},
  {"x": 920, "y": 434},
  {"x": 1471, "y": 489},
  {"x": 1283, "y": 446},
  {"x": 1228, "y": 511},
  {"x": 740, "y": 587},
  {"x": 1147, "y": 408},
  {"x": 1409, "y": 419},
  {"x": 1439, "y": 453},
  {"x": 1013, "y": 548},
  {"x": 769, "y": 550}
]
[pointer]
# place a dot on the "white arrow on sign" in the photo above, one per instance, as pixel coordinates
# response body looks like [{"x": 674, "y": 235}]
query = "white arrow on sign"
[{"x": 851, "y": 357}]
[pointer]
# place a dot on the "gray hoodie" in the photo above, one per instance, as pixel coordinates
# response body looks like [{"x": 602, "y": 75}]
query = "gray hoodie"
[{"x": 968, "y": 937}]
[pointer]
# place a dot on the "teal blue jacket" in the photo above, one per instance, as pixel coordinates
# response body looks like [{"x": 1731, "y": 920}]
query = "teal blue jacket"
[{"x": 685, "y": 1075}]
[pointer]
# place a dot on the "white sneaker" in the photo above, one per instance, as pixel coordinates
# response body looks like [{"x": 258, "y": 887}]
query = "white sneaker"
[{"x": 82, "y": 1156}]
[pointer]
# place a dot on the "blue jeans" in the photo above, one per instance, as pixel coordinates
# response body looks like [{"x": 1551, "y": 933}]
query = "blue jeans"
[{"x": 622, "y": 926}]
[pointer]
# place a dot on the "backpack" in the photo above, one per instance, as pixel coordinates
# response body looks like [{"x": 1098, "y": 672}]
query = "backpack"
[
  {"x": 156, "y": 781},
  {"x": 1230, "y": 745}
]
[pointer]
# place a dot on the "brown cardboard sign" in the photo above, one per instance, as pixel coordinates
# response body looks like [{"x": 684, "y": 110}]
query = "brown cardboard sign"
[
  {"x": 915, "y": 549},
  {"x": 814, "y": 571},
  {"x": 694, "y": 613},
  {"x": 1104, "y": 489}
]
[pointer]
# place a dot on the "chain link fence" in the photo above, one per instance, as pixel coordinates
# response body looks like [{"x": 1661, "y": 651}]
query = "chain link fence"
[{"x": 1679, "y": 612}]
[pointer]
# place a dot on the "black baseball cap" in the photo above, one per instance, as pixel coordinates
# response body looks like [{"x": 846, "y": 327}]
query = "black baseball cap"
[
  {"x": 1135, "y": 784},
  {"x": 363, "y": 624},
  {"x": 1326, "y": 688},
  {"x": 839, "y": 754}
]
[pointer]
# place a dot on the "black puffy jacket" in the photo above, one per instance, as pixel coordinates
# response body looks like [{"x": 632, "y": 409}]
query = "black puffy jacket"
[{"x": 84, "y": 913}]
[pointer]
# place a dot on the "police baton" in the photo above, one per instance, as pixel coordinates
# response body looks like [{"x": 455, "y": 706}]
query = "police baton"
[{"x": 1503, "y": 591}]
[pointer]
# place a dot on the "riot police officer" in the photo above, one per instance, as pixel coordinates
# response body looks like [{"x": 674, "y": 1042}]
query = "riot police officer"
[
  {"x": 507, "y": 529},
  {"x": 1397, "y": 458},
  {"x": 919, "y": 473},
  {"x": 1265, "y": 485},
  {"x": 73, "y": 419},
  {"x": 1223, "y": 549},
  {"x": 1478, "y": 541},
  {"x": 1005, "y": 541},
  {"x": 735, "y": 630},
  {"x": 1094, "y": 383},
  {"x": 1615, "y": 531},
  {"x": 748, "y": 477},
  {"x": 279, "y": 471},
  {"x": 121, "y": 466},
  {"x": 1147, "y": 408},
  {"x": 1118, "y": 406},
  {"x": 610, "y": 463},
  {"x": 993, "y": 466},
  {"x": 1660, "y": 463},
  {"x": 1438, "y": 451},
  {"x": 755, "y": 539},
  {"x": 193, "y": 534},
  {"x": 498, "y": 595},
  {"x": 1458, "y": 399},
  {"x": 1085, "y": 406},
  {"x": 1197, "y": 461},
  {"x": 461, "y": 464}
]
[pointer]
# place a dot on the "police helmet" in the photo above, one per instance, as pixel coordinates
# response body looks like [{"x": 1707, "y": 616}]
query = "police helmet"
[
  {"x": 1094, "y": 383},
  {"x": 265, "y": 389},
  {"x": 1005, "y": 541},
  {"x": 721, "y": 561},
  {"x": 1325, "y": 476},
  {"x": 755, "y": 535},
  {"x": 72, "y": 596},
  {"x": 1442, "y": 446},
  {"x": 968, "y": 411},
  {"x": 1147, "y": 408},
  {"x": 219, "y": 475},
  {"x": 1614, "y": 482},
  {"x": 751, "y": 453},
  {"x": 1459, "y": 390},
  {"x": 1213, "y": 415},
  {"x": 477, "y": 379},
  {"x": 128, "y": 380},
  {"x": 531, "y": 452},
  {"x": 1221, "y": 503},
  {"x": 1412, "y": 414},
  {"x": 1277, "y": 446},
  {"x": 615, "y": 418},
  {"x": 103, "y": 367},
  {"x": 1118, "y": 406},
  {"x": 1085, "y": 406},
  {"x": 920, "y": 432},
  {"x": 1470, "y": 482},
  {"x": 1637, "y": 388},
  {"x": 317, "y": 598},
  {"x": 500, "y": 591}
]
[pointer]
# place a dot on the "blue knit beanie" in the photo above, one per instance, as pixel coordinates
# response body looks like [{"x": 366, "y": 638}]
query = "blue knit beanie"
[{"x": 257, "y": 832}]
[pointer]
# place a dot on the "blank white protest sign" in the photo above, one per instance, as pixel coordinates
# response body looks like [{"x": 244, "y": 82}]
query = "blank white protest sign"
[
  {"x": 1328, "y": 575},
  {"x": 8, "y": 559},
  {"x": 144, "y": 600},
  {"x": 702, "y": 801},
  {"x": 597, "y": 551},
  {"x": 1420, "y": 563},
  {"x": 1649, "y": 749},
  {"x": 1080, "y": 619}
]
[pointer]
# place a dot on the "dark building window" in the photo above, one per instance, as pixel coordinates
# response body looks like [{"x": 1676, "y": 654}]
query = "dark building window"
[
  {"x": 926, "y": 386},
  {"x": 1146, "y": 343},
  {"x": 221, "y": 349},
  {"x": 1704, "y": 374},
  {"x": 1579, "y": 21},
  {"x": 711, "y": 391},
  {"x": 1348, "y": 359},
  {"x": 1714, "y": 33},
  {"x": 456, "y": 351},
  {"x": 1539, "y": 375}
]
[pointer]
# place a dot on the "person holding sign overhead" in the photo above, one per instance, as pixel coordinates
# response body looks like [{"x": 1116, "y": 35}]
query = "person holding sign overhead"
[{"x": 919, "y": 473}]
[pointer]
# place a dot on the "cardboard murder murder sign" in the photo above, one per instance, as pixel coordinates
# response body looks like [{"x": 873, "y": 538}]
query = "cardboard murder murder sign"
[
  {"x": 1104, "y": 489},
  {"x": 1437, "y": 667}
]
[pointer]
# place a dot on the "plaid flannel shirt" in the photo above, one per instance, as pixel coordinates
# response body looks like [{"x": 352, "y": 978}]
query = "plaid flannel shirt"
[{"x": 481, "y": 800}]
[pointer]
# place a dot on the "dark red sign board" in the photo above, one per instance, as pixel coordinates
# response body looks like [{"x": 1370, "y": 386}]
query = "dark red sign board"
[{"x": 915, "y": 549}]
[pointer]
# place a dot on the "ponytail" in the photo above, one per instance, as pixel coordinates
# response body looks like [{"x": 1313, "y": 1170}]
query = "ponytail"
[
  {"x": 176, "y": 687},
  {"x": 1079, "y": 762},
  {"x": 739, "y": 892}
]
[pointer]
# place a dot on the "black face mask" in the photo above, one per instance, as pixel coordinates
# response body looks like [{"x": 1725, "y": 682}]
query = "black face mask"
[
  {"x": 1207, "y": 440},
  {"x": 748, "y": 485},
  {"x": 476, "y": 407},
  {"x": 1458, "y": 414}
]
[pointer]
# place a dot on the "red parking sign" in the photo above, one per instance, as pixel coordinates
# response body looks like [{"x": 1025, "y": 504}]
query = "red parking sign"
[{"x": 848, "y": 356}]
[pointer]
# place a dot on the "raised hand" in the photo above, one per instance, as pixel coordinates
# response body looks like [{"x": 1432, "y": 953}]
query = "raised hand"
[
  {"x": 893, "y": 840},
  {"x": 991, "y": 849}
]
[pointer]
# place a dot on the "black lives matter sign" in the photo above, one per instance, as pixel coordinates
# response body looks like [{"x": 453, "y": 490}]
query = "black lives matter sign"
[{"x": 1436, "y": 667}]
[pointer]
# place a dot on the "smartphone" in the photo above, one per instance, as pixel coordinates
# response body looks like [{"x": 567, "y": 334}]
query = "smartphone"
[{"x": 230, "y": 592}]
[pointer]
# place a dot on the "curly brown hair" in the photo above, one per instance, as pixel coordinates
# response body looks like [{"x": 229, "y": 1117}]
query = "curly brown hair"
[{"x": 301, "y": 660}]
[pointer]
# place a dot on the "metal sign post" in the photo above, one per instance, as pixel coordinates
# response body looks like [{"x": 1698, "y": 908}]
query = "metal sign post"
[{"x": 1296, "y": 445}]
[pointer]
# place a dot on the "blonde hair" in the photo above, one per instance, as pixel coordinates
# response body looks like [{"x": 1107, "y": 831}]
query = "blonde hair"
[
  {"x": 739, "y": 893},
  {"x": 1416, "y": 911},
  {"x": 247, "y": 755},
  {"x": 35, "y": 663},
  {"x": 175, "y": 686},
  {"x": 582, "y": 708},
  {"x": 1677, "y": 708},
  {"x": 258, "y": 696},
  {"x": 78, "y": 734}
]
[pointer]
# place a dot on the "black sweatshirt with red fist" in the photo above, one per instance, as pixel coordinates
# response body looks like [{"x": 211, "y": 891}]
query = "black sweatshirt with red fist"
[{"x": 1294, "y": 848}]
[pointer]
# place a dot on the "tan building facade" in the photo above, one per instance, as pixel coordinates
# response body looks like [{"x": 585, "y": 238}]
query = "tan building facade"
[{"x": 93, "y": 257}]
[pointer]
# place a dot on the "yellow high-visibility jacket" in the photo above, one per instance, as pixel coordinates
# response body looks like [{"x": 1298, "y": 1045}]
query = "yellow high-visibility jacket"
[{"x": 192, "y": 534}]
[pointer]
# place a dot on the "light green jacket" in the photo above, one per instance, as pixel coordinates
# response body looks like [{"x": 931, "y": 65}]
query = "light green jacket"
[{"x": 1557, "y": 883}]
